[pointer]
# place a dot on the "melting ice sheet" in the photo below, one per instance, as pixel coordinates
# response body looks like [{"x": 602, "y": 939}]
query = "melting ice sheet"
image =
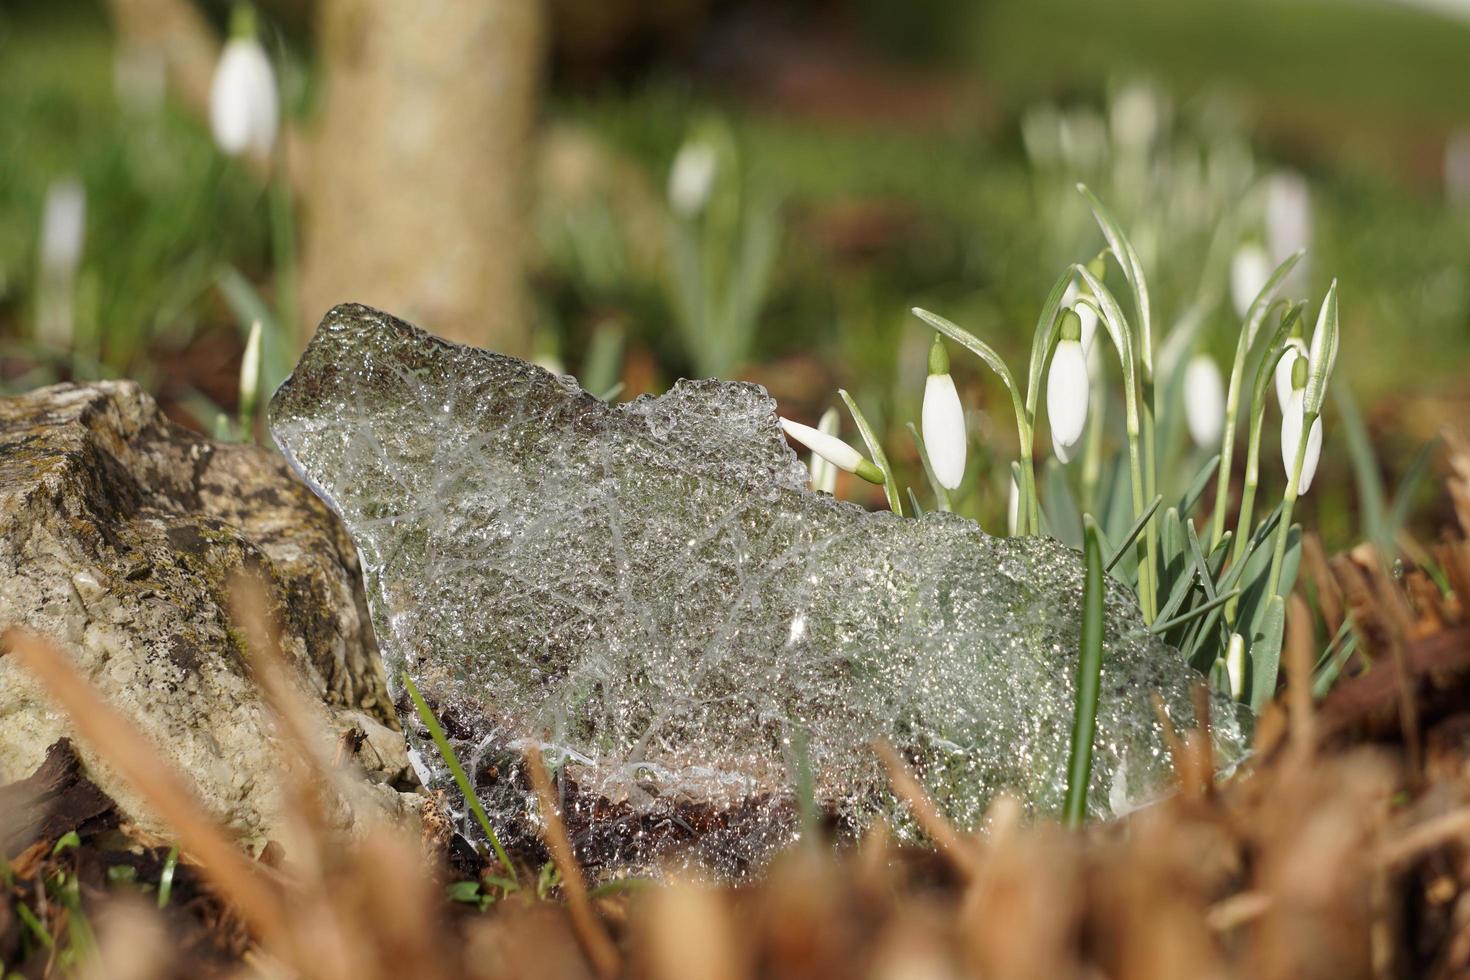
[{"x": 649, "y": 593}]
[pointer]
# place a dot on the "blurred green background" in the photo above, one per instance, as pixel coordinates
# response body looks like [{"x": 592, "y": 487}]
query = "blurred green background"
[{"x": 901, "y": 153}]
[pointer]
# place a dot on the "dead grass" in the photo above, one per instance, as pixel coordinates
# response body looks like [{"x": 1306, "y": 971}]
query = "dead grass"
[{"x": 1340, "y": 851}]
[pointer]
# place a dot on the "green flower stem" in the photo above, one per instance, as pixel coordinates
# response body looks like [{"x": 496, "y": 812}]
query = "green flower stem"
[
  {"x": 1089, "y": 681},
  {"x": 1288, "y": 502},
  {"x": 1092, "y": 452}
]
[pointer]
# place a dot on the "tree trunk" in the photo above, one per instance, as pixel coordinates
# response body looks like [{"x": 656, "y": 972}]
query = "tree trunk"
[{"x": 413, "y": 200}]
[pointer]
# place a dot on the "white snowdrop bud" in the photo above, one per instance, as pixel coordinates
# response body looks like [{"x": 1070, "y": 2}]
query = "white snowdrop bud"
[
  {"x": 824, "y": 474},
  {"x": 1291, "y": 437},
  {"x": 244, "y": 107},
  {"x": 63, "y": 228},
  {"x": 692, "y": 177},
  {"x": 1085, "y": 313},
  {"x": 1067, "y": 390},
  {"x": 1204, "y": 401},
  {"x": 1294, "y": 349},
  {"x": 250, "y": 374},
  {"x": 1013, "y": 508},
  {"x": 1250, "y": 267},
  {"x": 943, "y": 420},
  {"x": 833, "y": 450},
  {"x": 1235, "y": 665}
]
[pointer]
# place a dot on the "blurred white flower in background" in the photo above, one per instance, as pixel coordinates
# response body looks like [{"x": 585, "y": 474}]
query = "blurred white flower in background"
[
  {"x": 1250, "y": 267},
  {"x": 1204, "y": 401},
  {"x": 1289, "y": 225},
  {"x": 1457, "y": 168},
  {"x": 63, "y": 236},
  {"x": 1134, "y": 116},
  {"x": 244, "y": 103},
  {"x": 692, "y": 177}
]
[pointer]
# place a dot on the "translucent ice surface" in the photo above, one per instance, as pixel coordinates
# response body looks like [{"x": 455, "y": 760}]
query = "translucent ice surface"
[{"x": 649, "y": 593}]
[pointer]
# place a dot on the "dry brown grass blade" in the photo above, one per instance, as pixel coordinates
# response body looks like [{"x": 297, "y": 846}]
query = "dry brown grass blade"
[
  {"x": 117, "y": 740},
  {"x": 940, "y": 830},
  {"x": 1428, "y": 835},
  {"x": 311, "y": 776},
  {"x": 1300, "y": 642},
  {"x": 590, "y": 933},
  {"x": 1329, "y": 593}
]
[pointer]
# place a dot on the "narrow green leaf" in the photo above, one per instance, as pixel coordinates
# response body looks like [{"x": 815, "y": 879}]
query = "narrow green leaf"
[
  {"x": 1134, "y": 532},
  {"x": 1371, "y": 495},
  {"x": 1323, "y": 353},
  {"x": 1266, "y": 653},
  {"x": 1164, "y": 625},
  {"x": 875, "y": 449},
  {"x": 166, "y": 877},
  {"x": 1127, "y": 259},
  {"x": 466, "y": 788},
  {"x": 1089, "y": 681},
  {"x": 1197, "y": 488}
]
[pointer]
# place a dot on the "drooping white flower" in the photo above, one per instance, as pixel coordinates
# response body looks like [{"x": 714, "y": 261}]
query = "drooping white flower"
[
  {"x": 1295, "y": 348},
  {"x": 1085, "y": 313},
  {"x": 1235, "y": 665},
  {"x": 1067, "y": 390},
  {"x": 1289, "y": 222},
  {"x": 833, "y": 450},
  {"x": 244, "y": 107},
  {"x": 824, "y": 474},
  {"x": 1204, "y": 401},
  {"x": 692, "y": 177},
  {"x": 63, "y": 227},
  {"x": 1291, "y": 435},
  {"x": 943, "y": 421},
  {"x": 1250, "y": 267},
  {"x": 1013, "y": 508}
]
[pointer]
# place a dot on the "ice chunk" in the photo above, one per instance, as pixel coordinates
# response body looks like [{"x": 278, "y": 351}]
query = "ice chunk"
[{"x": 650, "y": 595}]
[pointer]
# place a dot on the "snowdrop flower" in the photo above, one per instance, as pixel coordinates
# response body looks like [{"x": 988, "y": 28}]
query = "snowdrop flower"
[
  {"x": 1085, "y": 313},
  {"x": 1295, "y": 349},
  {"x": 1250, "y": 267},
  {"x": 1204, "y": 401},
  {"x": 833, "y": 450},
  {"x": 692, "y": 177},
  {"x": 63, "y": 228},
  {"x": 1235, "y": 665},
  {"x": 943, "y": 420},
  {"x": 1292, "y": 418},
  {"x": 824, "y": 474},
  {"x": 1067, "y": 389},
  {"x": 244, "y": 108},
  {"x": 1288, "y": 220}
]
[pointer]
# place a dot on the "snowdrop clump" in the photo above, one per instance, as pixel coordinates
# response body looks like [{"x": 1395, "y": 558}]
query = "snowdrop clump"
[{"x": 1196, "y": 581}]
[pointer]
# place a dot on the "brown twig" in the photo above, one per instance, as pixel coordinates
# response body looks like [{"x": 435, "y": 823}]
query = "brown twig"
[
  {"x": 116, "y": 739},
  {"x": 1424, "y": 837},
  {"x": 940, "y": 830},
  {"x": 590, "y": 933}
]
